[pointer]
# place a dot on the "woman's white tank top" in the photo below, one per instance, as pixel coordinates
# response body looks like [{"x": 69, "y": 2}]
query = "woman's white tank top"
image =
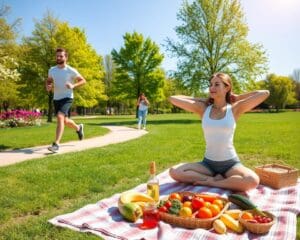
[{"x": 218, "y": 135}]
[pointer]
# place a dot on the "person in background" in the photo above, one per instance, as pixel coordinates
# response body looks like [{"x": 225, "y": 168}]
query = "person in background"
[
  {"x": 143, "y": 105},
  {"x": 62, "y": 79},
  {"x": 221, "y": 166}
]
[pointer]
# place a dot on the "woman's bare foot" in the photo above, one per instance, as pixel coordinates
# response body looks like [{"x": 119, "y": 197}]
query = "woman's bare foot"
[
  {"x": 207, "y": 181},
  {"x": 218, "y": 177}
]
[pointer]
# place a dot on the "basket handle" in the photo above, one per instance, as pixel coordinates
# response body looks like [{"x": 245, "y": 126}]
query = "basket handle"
[{"x": 282, "y": 163}]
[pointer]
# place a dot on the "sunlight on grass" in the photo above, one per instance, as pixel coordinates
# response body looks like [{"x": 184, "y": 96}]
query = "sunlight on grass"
[{"x": 32, "y": 192}]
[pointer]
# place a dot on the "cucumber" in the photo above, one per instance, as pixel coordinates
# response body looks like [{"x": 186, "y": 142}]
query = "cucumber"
[
  {"x": 244, "y": 203},
  {"x": 241, "y": 201}
]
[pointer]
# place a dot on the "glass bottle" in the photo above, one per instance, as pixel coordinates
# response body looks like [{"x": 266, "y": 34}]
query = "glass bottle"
[{"x": 153, "y": 183}]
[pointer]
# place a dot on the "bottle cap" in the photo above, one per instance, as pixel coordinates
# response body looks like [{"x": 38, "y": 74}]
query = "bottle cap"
[{"x": 152, "y": 168}]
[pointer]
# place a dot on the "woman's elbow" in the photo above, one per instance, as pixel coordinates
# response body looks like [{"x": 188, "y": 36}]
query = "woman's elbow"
[
  {"x": 267, "y": 92},
  {"x": 264, "y": 93},
  {"x": 171, "y": 99}
]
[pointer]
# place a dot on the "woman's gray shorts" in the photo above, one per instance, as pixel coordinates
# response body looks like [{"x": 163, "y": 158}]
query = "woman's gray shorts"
[{"x": 220, "y": 167}]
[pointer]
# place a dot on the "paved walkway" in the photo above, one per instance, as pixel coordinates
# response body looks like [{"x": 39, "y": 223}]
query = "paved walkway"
[{"x": 117, "y": 134}]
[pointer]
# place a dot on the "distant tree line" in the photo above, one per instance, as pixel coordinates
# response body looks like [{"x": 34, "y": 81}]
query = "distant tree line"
[{"x": 212, "y": 37}]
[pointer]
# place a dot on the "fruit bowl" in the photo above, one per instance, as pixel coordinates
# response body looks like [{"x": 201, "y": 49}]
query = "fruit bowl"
[
  {"x": 257, "y": 227},
  {"x": 193, "y": 222}
]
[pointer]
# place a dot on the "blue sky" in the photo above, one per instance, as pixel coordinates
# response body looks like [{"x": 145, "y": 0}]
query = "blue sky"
[{"x": 273, "y": 23}]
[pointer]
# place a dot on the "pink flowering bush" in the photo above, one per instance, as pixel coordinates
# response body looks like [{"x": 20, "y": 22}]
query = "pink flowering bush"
[{"x": 19, "y": 118}]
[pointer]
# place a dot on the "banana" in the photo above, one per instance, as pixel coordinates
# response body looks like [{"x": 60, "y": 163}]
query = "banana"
[
  {"x": 234, "y": 213},
  {"x": 132, "y": 196},
  {"x": 131, "y": 204}
]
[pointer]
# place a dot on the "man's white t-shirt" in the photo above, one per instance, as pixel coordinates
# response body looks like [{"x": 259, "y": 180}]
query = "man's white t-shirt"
[{"x": 62, "y": 76}]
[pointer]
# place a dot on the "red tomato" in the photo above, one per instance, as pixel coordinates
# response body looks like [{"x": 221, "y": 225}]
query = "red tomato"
[
  {"x": 168, "y": 204},
  {"x": 163, "y": 209},
  {"x": 197, "y": 203}
]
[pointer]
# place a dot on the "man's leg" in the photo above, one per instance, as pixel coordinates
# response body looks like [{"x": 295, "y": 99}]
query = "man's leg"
[
  {"x": 71, "y": 124},
  {"x": 79, "y": 128},
  {"x": 59, "y": 127},
  {"x": 60, "y": 118}
]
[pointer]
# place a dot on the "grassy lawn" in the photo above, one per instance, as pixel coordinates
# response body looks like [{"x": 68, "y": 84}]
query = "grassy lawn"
[
  {"x": 14, "y": 138},
  {"x": 29, "y": 195}
]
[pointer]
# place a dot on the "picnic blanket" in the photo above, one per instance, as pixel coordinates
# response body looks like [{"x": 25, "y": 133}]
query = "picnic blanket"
[{"x": 104, "y": 219}]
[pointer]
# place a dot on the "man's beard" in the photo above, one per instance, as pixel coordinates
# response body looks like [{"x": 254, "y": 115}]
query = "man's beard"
[{"x": 60, "y": 61}]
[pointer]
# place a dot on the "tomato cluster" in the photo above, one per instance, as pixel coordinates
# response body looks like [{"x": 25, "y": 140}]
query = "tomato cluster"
[
  {"x": 261, "y": 219},
  {"x": 164, "y": 206},
  {"x": 197, "y": 205}
]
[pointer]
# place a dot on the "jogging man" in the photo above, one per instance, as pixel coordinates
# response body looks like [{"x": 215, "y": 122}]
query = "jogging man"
[{"x": 62, "y": 79}]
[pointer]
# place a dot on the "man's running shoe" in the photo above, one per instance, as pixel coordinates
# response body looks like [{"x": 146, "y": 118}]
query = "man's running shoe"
[
  {"x": 80, "y": 132},
  {"x": 54, "y": 148}
]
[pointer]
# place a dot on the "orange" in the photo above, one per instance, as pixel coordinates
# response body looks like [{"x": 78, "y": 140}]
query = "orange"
[
  {"x": 175, "y": 196},
  {"x": 215, "y": 209},
  {"x": 247, "y": 216},
  {"x": 187, "y": 204},
  {"x": 204, "y": 212},
  {"x": 219, "y": 202}
]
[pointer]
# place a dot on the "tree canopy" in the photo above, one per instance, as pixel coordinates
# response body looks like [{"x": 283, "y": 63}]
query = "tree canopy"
[
  {"x": 281, "y": 91},
  {"x": 138, "y": 67},
  {"x": 39, "y": 56},
  {"x": 212, "y": 38},
  {"x": 9, "y": 74}
]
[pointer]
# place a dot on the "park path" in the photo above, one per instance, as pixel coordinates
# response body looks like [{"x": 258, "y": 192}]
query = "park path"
[{"x": 117, "y": 134}]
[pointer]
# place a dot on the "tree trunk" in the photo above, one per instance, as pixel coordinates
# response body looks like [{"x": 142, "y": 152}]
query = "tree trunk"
[
  {"x": 50, "y": 107},
  {"x": 5, "y": 105}
]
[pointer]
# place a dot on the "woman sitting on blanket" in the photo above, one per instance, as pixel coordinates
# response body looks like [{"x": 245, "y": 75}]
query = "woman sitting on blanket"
[{"x": 221, "y": 166}]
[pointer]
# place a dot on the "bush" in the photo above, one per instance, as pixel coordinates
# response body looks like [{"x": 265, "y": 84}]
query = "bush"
[{"x": 20, "y": 118}]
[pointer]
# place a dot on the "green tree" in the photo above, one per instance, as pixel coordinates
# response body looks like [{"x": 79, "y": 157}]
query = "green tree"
[
  {"x": 109, "y": 76},
  {"x": 296, "y": 77},
  {"x": 9, "y": 74},
  {"x": 281, "y": 91},
  {"x": 85, "y": 59},
  {"x": 138, "y": 68},
  {"x": 213, "y": 38},
  {"x": 39, "y": 56}
]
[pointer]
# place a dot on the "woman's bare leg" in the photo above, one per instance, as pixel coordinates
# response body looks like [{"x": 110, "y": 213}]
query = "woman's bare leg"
[
  {"x": 190, "y": 173},
  {"x": 238, "y": 178}
]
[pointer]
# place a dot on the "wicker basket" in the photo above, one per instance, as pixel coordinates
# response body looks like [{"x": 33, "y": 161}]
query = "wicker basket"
[
  {"x": 277, "y": 175},
  {"x": 192, "y": 223},
  {"x": 257, "y": 228}
]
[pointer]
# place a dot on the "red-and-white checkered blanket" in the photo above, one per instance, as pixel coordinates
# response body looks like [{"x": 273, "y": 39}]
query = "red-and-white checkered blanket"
[{"x": 104, "y": 219}]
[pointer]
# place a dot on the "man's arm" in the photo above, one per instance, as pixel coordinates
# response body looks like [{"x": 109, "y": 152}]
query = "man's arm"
[
  {"x": 49, "y": 84},
  {"x": 79, "y": 81}
]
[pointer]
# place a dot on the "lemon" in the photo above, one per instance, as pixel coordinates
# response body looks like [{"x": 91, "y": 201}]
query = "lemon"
[{"x": 185, "y": 212}]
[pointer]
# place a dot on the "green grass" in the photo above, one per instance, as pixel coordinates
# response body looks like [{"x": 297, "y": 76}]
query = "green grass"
[
  {"x": 29, "y": 195},
  {"x": 15, "y": 138}
]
